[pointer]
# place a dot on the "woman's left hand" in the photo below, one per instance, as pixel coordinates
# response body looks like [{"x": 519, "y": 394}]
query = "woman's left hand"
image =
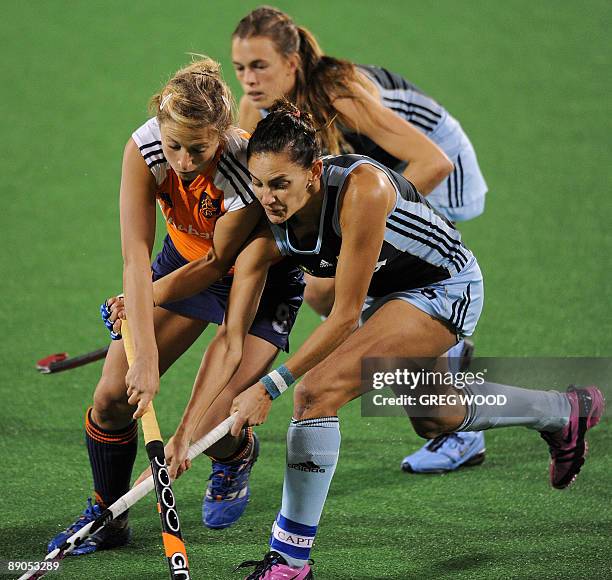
[
  {"x": 176, "y": 458},
  {"x": 252, "y": 406}
]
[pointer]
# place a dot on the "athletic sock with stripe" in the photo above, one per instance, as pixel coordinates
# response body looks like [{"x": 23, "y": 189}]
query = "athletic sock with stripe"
[
  {"x": 312, "y": 454},
  {"x": 243, "y": 451},
  {"x": 112, "y": 455}
]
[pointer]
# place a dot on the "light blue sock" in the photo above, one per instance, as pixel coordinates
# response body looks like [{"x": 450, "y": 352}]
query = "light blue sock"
[
  {"x": 454, "y": 357},
  {"x": 312, "y": 455},
  {"x": 539, "y": 410}
]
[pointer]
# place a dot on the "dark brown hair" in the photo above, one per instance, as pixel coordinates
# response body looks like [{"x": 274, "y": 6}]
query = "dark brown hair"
[
  {"x": 320, "y": 79},
  {"x": 286, "y": 130}
]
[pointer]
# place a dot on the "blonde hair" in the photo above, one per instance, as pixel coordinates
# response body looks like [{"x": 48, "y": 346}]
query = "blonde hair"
[
  {"x": 320, "y": 79},
  {"x": 196, "y": 97}
]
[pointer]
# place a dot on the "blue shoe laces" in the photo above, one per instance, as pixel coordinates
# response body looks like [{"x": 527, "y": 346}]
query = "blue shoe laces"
[
  {"x": 228, "y": 478},
  {"x": 91, "y": 512}
]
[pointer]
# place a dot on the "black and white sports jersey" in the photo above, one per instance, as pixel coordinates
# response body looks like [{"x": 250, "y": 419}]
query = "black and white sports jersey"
[
  {"x": 405, "y": 99},
  {"x": 420, "y": 247}
]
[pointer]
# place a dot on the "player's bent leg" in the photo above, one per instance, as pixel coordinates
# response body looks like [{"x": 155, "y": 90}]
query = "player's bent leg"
[
  {"x": 174, "y": 334},
  {"x": 319, "y": 294},
  {"x": 450, "y": 451},
  {"x": 111, "y": 434},
  {"x": 313, "y": 440},
  {"x": 228, "y": 491},
  {"x": 113, "y": 445},
  {"x": 397, "y": 330},
  {"x": 110, "y": 409}
]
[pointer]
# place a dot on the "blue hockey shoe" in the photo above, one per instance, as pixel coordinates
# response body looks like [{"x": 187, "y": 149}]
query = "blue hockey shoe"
[
  {"x": 114, "y": 535},
  {"x": 447, "y": 452},
  {"x": 228, "y": 491}
]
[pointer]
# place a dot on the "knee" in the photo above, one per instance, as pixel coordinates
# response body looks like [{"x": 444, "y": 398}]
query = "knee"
[
  {"x": 310, "y": 400},
  {"x": 110, "y": 403},
  {"x": 321, "y": 300}
]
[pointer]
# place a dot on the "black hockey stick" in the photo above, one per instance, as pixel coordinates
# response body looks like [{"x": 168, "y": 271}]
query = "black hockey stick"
[{"x": 55, "y": 363}]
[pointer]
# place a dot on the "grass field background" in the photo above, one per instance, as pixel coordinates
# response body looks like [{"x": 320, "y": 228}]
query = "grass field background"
[{"x": 529, "y": 81}]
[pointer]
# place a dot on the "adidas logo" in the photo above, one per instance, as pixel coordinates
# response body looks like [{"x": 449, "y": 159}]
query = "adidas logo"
[
  {"x": 325, "y": 264},
  {"x": 307, "y": 466}
]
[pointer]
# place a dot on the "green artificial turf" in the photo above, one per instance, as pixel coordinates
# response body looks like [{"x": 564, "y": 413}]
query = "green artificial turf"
[{"x": 530, "y": 83}]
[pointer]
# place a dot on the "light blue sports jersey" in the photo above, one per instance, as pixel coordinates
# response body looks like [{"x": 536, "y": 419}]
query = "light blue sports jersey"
[
  {"x": 403, "y": 98},
  {"x": 420, "y": 247},
  {"x": 461, "y": 196}
]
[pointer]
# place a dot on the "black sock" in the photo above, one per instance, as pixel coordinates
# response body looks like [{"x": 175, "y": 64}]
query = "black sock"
[
  {"x": 244, "y": 449},
  {"x": 112, "y": 455}
]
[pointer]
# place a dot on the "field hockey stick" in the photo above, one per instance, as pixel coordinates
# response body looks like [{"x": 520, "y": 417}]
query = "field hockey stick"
[
  {"x": 60, "y": 361},
  {"x": 55, "y": 363},
  {"x": 166, "y": 503},
  {"x": 127, "y": 501}
]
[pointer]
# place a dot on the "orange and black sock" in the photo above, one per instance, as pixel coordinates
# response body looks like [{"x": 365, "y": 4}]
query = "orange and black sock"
[
  {"x": 244, "y": 450},
  {"x": 112, "y": 455}
]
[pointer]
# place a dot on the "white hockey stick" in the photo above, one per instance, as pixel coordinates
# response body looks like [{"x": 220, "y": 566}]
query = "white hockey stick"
[{"x": 126, "y": 501}]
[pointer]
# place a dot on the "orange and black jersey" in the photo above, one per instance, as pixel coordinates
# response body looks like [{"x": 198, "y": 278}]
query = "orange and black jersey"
[{"x": 192, "y": 210}]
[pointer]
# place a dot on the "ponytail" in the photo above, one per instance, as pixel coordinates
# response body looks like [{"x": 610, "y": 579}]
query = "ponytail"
[{"x": 287, "y": 130}]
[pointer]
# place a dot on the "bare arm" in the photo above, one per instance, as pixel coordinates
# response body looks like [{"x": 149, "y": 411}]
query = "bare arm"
[
  {"x": 427, "y": 163},
  {"x": 368, "y": 198},
  {"x": 225, "y": 352},
  {"x": 137, "y": 209},
  {"x": 231, "y": 232},
  {"x": 248, "y": 115},
  {"x": 250, "y": 276},
  {"x": 362, "y": 221}
]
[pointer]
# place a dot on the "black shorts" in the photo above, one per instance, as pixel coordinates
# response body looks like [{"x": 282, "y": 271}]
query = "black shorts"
[{"x": 278, "y": 308}]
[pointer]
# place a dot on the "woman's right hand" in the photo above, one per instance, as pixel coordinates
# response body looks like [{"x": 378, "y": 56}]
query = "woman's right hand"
[
  {"x": 142, "y": 381},
  {"x": 176, "y": 456},
  {"x": 113, "y": 312}
]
